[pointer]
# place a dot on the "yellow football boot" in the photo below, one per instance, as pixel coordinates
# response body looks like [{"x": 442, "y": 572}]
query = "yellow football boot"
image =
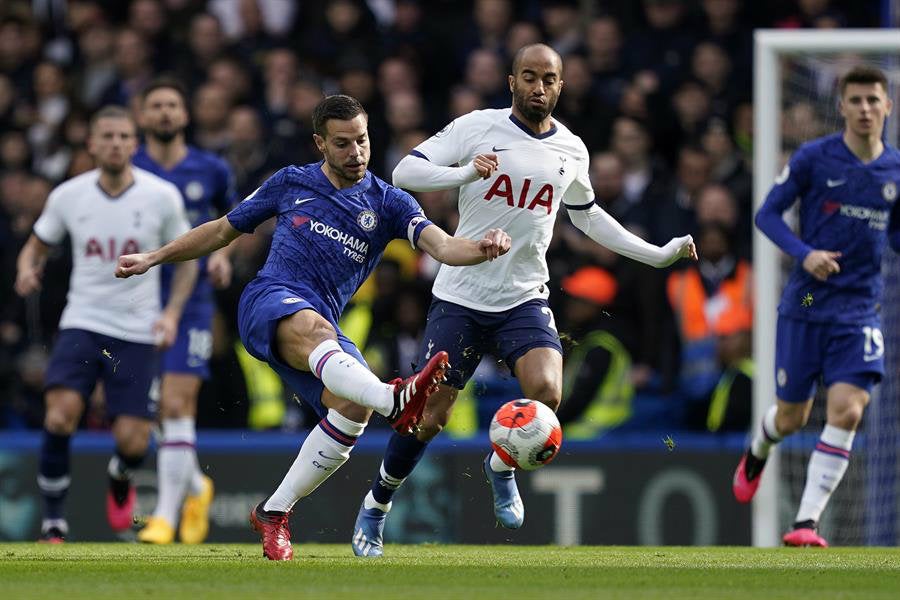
[
  {"x": 195, "y": 515},
  {"x": 157, "y": 531}
]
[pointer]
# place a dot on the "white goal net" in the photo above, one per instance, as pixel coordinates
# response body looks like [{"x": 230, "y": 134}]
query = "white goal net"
[{"x": 864, "y": 509}]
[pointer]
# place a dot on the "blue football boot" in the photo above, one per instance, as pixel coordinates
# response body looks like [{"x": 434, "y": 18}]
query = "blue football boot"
[
  {"x": 368, "y": 532},
  {"x": 508, "y": 506}
]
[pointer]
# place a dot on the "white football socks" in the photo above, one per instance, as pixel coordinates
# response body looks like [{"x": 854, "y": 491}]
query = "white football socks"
[
  {"x": 497, "y": 464},
  {"x": 766, "y": 435},
  {"x": 175, "y": 466},
  {"x": 325, "y": 449},
  {"x": 347, "y": 378},
  {"x": 827, "y": 466}
]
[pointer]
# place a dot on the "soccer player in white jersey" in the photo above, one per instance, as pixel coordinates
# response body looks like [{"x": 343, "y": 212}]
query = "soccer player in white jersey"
[
  {"x": 516, "y": 166},
  {"x": 110, "y": 329}
]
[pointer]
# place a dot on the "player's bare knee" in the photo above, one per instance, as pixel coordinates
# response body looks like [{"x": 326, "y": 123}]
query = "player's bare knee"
[
  {"x": 60, "y": 422},
  {"x": 548, "y": 393},
  {"x": 790, "y": 422}
]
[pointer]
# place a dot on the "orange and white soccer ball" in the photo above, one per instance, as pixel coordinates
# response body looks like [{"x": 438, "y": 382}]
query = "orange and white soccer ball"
[{"x": 525, "y": 434}]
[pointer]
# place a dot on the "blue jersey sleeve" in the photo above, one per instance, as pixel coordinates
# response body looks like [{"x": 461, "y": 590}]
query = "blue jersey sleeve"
[
  {"x": 408, "y": 218},
  {"x": 791, "y": 183},
  {"x": 261, "y": 205}
]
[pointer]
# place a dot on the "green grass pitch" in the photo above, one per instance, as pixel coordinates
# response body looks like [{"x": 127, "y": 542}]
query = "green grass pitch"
[{"x": 81, "y": 570}]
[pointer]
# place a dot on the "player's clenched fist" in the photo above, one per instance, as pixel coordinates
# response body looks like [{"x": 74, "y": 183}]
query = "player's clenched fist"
[
  {"x": 485, "y": 164},
  {"x": 495, "y": 243},
  {"x": 133, "y": 264},
  {"x": 822, "y": 264}
]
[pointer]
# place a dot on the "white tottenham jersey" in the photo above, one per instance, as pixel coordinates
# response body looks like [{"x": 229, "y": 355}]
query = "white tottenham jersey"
[
  {"x": 536, "y": 173},
  {"x": 145, "y": 216}
]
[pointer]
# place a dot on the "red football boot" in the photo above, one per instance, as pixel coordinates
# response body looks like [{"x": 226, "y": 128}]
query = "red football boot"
[
  {"x": 744, "y": 488},
  {"x": 120, "y": 516},
  {"x": 410, "y": 394},
  {"x": 804, "y": 535},
  {"x": 274, "y": 531}
]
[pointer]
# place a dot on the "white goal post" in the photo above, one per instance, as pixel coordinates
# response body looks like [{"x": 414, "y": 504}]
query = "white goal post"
[{"x": 770, "y": 46}]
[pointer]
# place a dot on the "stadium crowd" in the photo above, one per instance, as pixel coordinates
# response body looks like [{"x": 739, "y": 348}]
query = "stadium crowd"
[{"x": 659, "y": 90}]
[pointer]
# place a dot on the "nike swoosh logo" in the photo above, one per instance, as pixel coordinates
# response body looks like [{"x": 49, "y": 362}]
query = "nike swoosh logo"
[
  {"x": 327, "y": 457},
  {"x": 303, "y": 201},
  {"x": 496, "y": 149},
  {"x": 835, "y": 182},
  {"x": 871, "y": 358}
]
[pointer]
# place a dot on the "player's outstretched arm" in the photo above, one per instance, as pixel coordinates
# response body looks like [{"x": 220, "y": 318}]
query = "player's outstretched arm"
[
  {"x": 457, "y": 252},
  {"x": 606, "y": 231},
  {"x": 30, "y": 266},
  {"x": 197, "y": 242},
  {"x": 421, "y": 175}
]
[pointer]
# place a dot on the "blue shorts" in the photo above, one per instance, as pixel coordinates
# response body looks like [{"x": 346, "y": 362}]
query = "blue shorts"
[
  {"x": 128, "y": 371},
  {"x": 467, "y": 334},
  {"x": 193, "y": 347},
  {"x": 262, "y": 306},
  {"x": 839, "y": 352}
]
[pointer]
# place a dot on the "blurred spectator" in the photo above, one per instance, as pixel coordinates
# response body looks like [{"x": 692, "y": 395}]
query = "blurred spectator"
[
  {"x": 16, "y": 55},
  {"x": 712, "y": 67},
  {"x": 728, "y": 166},
  {"x": 464, "y": 100},
  {"x": 95, "y": 72},
  {"x": 562, "y": 24},
  {"x": 134, "y": 67},
  {"x": 727, "y": 26},
  {"x": 699, "y": 294},
  {"x": 644, "y": 176},
  {"x": 578, "y": 108},
  {"x": 347, "y": 29},
  {"x": 603, "y": 42},
  {"x": 677, "y": 213},
  {"x": 813, "y": 13},
  {"x": 15, "y": 153},
  {"x": 206, "y": 42},
  {"x": 490, "y": 21},
  {"x": 210, "y": 109},
  {"x": 247, "y": 153},
  {"x": 258, "y": 18},
  {"x": 521, "y": 33},
  {"x": 232, "y": 76},
  {"x": 659, "y": 54},
  {"x": 608, "y": 181},
  {"x": 148, "y": 18},
  {"x": 486, "y": 75}
]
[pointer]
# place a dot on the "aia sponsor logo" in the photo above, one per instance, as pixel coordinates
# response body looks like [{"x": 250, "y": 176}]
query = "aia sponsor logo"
[
  {"x": 111, "y": 250},
  {"x": 525, "y": 198}
]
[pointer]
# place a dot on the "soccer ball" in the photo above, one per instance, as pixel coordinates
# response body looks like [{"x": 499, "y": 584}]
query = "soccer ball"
[{"x": 525, "y": 434}]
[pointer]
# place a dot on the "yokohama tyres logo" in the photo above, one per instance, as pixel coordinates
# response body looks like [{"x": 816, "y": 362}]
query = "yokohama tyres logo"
[{"x": 354, "y": 248}]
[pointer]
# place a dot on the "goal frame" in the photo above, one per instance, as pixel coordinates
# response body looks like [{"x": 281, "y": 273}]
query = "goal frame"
[{"x": 769, "y": 46}]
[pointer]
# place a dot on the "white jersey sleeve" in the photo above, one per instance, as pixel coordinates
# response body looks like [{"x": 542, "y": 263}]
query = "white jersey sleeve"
[
  {"x": 580, "y": 192},
  {"x": 452, "y": 144},
  {"x": 50, "y": 227}
]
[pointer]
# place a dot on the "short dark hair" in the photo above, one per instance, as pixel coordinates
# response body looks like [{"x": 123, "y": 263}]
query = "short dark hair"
[
  {"x": 111, "y": 111},
  {"x": 338, "y": 106},
  {"x": 863, "y": 74},
  {"x": 168, "y": 83}
]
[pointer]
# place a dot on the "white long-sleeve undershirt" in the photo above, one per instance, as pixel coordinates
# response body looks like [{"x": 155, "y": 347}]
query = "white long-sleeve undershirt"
[
  {"x": 598, "y": 225},
  {"x": 421, "y": 175}
]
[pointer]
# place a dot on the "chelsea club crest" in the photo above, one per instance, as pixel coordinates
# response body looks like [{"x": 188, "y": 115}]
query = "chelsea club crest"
[
  {"x": 368, "y": 220},
  {"x": 889, "y": 191}
]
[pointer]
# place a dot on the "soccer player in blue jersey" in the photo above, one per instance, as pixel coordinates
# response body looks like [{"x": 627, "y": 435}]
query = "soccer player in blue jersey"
[
  {"x": 206, "y": 185},
  {"x": 333, "y": 221},
  {"x": 828, "y": 324}
]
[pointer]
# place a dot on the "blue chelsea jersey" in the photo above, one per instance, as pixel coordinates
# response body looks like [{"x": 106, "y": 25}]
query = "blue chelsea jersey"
[
  {"x": 327, "y": 241},
  {"x": 207, "y": 188},
  {"x": 846, "y": 206}
]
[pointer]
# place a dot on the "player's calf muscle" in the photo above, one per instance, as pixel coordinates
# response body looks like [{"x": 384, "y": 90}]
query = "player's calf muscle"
[{"x": 298, "y": 335}]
